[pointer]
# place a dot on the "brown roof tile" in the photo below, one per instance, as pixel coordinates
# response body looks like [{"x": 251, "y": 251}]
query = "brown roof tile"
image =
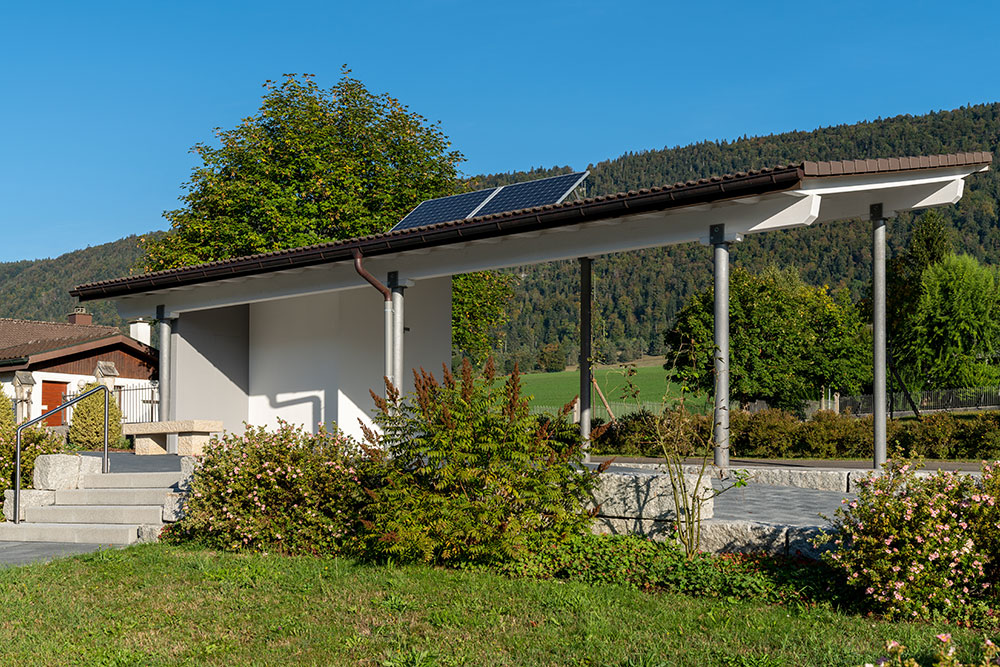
[
  {"x": 757, "y": 181},
  {"x": 15, "y": 332}
]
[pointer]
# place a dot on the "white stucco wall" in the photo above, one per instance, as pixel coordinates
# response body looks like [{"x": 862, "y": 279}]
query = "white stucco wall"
[
  {"x": 210, "y": 366},
  {"x": 313, "y": 359}
]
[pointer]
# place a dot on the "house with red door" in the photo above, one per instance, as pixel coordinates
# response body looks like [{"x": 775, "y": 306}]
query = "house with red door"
[{"x": 43, "y": 362}]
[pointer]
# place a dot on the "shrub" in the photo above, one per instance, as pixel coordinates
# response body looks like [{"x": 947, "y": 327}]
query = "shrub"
[
  {"x": 766, "y": 433},
  {"x": 638, "y": 562},
  {"x": 472, "y": 474},
  {"x": 919, "y": 547},
  {"x": 287, "y": 491},
  {"x": 86, "y": 431},
  {"x": 7, "y": 418},
  {"x": 34, "y": 442},
  {"x": 775, "y": 433}
]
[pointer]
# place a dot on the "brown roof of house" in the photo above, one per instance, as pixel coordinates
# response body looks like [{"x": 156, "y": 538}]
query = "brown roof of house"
[
  {"x": 728, "y": 186},
  {"x": 24, "y": 332},
  {"x": 26, "y": 350}
]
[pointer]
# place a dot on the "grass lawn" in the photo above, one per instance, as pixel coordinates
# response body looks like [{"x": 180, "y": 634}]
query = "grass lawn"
[
  {"x": 157, "y": 604},
  {"x": 557, "y": 389}
]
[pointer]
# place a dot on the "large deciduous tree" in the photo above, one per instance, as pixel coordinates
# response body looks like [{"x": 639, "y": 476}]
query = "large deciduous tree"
[
  {"x": 955, "y": 325},
  {"x": 312, "y": 165},
  {"x": 317, "y": 165},
  {"x": 787, "y": 340}
]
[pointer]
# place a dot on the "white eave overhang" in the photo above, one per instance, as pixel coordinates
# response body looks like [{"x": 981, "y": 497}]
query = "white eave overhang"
[{"x": 815, "y": 199}]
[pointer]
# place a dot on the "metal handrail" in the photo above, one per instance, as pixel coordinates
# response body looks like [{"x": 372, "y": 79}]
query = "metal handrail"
[{"x": 105, "y": 464}]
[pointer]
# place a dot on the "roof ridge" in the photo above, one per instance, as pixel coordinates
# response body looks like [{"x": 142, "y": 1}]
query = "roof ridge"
[{"x": 17, "y": 320}]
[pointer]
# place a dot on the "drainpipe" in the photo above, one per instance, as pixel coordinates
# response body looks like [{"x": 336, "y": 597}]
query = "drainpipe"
[{"x": 387, "y": 296}]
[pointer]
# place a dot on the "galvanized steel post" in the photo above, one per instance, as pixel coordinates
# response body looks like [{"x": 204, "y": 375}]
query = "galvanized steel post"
[
  {"x": 721, "y": 418},
  {"x": 166, "y": 380},
  {"x": 586, "y": 295},
  {"x": 397, "y": 331},
  {"x": 878, "y": 332}
]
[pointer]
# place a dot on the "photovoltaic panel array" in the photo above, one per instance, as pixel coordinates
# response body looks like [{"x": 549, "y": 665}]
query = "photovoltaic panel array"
[
  {"x": 444, "y": 209},
  {"x": 494, "y": 200},
  {"x": 532, "y": 193}
]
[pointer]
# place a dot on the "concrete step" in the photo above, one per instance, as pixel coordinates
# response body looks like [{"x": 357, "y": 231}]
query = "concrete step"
[
  {"x": 78, "y": 533},
  {"x": 107, "y": 514},
  {"x": 111, "y": 496},
  {"x": 131, "y": 480}
]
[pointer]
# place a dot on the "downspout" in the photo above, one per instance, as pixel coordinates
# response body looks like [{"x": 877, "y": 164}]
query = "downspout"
[{"x": 387, "y": 296}]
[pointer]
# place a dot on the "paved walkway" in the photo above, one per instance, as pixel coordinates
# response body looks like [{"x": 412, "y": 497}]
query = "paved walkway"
[
  {"x": 22, "y": 553},
  {"x": 787, "y": 505},
  {"x": 129, "y": 462}
]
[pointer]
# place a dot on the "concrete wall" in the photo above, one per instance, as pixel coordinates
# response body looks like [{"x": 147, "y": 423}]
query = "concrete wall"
[
  {"x": 313, "y": 359},
  {"x": 210, "y": 366}
]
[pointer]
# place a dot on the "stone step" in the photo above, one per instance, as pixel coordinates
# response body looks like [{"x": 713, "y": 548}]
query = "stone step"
[
  {"x": 78, "y": 533},
  {"x": 156, "y": 496},
  {"x": 99, "y": 514},
  {"x": 131, "y": 480}
]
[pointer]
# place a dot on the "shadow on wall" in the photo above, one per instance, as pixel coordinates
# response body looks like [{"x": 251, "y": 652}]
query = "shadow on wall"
[{"x": 316, "y": 403}]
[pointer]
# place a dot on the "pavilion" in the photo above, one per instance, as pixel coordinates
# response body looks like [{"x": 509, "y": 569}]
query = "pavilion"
[{"x": 300, "y": 334}]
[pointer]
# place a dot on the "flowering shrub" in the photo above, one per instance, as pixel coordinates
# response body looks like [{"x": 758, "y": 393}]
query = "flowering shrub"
[
  {"x": 944, "y": 657},
  {"x": 471, "y": 474},
  {"x": 287, "y": 491},
  {"x": 918, "y": 547}
]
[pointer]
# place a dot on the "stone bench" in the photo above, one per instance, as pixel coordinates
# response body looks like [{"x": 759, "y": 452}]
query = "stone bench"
[{"x": 192, "y": 436}]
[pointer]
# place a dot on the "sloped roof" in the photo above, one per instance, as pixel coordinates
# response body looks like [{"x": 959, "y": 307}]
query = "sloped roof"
[
  {"x": 705, "y": 190},
  {"x": 43, "y": 336}
]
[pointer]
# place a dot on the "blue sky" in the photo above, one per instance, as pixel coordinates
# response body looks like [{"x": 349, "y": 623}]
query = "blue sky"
[{"x": 100, "y": 101}]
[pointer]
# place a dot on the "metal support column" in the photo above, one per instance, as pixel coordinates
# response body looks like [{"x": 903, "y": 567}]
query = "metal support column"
[
  {"x": 721, "y": 420},
  {"x": 397, "y": 332},
  {"x": 586, "y": 296},
  {"x": 166, "y": 380},
  {"x": 878, "y": 332}
]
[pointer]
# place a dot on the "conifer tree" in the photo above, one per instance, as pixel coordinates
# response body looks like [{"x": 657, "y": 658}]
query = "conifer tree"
[{"x": 86, "y": 430}]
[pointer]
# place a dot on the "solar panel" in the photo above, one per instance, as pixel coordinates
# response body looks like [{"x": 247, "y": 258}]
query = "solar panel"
[
  {"x": 532, "y": 193},
  {"x": 539, "y": 192},
  {"x": 444, "y": 209}
]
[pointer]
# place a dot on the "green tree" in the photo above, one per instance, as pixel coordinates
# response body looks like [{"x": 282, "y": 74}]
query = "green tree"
[
  {"x": 318, "y": 165},
  {"x": 787, "y": 339},
  {"x": 86, "y": 430},
  {"x": 479, "y": 307},
  {"x": 955, "y": 326},
  {"x": 312, "y": 166},
  {"x": 929, "y": 244}
]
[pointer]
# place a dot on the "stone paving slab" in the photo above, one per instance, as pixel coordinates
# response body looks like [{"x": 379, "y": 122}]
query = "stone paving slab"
[
  {"x": 13, "y": 554},
  {"x": 129, "y": 462},
  {"x": 785, "y": 505}
]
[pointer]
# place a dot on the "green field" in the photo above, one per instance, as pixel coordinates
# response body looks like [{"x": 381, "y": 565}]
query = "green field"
[
  {"x": 553, "y": 390},
  {"x": 162, "y": 605}
]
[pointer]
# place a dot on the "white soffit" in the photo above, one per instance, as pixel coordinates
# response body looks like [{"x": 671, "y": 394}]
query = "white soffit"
[{"x": 818, "y": 199}]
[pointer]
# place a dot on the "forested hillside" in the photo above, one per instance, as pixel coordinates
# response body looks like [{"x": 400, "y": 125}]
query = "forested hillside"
[
  {"x": 39, "y": 290},
  {"x": 638, "y": 294}
]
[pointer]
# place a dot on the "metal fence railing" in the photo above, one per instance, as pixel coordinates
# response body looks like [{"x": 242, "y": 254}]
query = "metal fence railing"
[
  {"x": 598, "y": 411},
  {"x": 933, "y": 400},
  {"x": 139, "y": 403}
]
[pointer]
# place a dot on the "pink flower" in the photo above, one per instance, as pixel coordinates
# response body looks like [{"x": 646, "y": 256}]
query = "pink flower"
[{"x": 945, "y": 637}]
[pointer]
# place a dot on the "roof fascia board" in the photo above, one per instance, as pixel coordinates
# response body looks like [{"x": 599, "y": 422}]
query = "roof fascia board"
[
  {"x": 91, "y": 346},
  {"x": 856, "y": 204},
  {"x": 644, "y": 230}
]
